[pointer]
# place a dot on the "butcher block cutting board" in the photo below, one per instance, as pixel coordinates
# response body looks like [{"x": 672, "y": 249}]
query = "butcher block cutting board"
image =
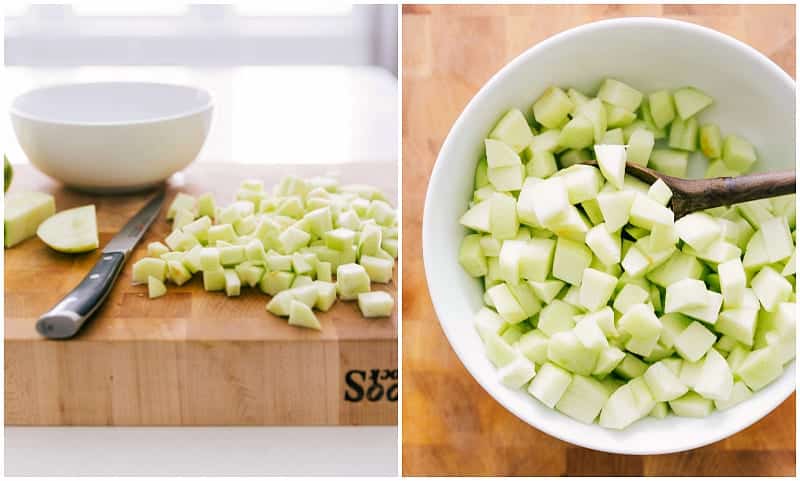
[
  {"x": 451, "y": 426},
  {"x": 191, "y": 357}
]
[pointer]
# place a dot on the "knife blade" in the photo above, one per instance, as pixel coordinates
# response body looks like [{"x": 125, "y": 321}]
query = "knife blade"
[{"x": 66, "y": 318}]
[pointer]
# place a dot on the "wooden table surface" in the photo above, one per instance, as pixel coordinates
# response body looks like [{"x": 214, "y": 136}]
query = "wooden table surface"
[
  {"x": 450, "y": 424},
  {"x": 189, "y": 357}
]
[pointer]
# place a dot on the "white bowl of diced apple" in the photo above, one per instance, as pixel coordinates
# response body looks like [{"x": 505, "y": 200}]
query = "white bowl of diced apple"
[{"x": 570, "y": 292}]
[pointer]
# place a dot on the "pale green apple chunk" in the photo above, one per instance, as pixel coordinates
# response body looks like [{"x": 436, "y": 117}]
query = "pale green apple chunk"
[
  {"x": 71, "y": 230},
  {"x": 24, "y": 212}
]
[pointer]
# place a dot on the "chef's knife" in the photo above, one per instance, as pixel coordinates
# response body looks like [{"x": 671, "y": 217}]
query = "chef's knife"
[{"x": 67, "y": 317}]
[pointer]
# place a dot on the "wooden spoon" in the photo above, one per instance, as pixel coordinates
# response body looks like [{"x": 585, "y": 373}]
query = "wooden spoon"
[{"x": 692, "y": 195}]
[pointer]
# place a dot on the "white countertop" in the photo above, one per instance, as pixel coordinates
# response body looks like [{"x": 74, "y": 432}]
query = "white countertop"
[
  {"x": 271, "y": 114},
  {"x": 217, "y": 451}
]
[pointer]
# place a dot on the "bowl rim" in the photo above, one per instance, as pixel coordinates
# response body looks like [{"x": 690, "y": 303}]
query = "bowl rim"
[
  {"x": 206, "y": 104},
  {"x": 429, "y": 234}
]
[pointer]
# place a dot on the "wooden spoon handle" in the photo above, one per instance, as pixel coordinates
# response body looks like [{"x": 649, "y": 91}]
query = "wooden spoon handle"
[{"x": 733, "y": 190}]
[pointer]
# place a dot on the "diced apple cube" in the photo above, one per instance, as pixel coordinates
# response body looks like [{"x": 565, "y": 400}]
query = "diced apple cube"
[
  {"x": 570, "y": 260},
  {"x": 526, "y": 212},
  {"x": 513, "y": 130},
  {"x": 607, "y": 246},
  {"x": 214, "y": 280},
  {"x": 572, "y": 225},
  {"x": 760, "y": 368},
  {"x": 566, "y": 350},
  {"x": 507, "y": 178},
  {"x": 552, "y": 108},
  {"x": 583, "y": 399},
  {"x": 635, "y": 262},
  {"x": 738, "y": 154},
  {"x": 609, "y": 358},
  {"x": 663, "y": 382},
  {"x": 351, "y": 280},
  {"x": 740, "y": 392},
  {"x": 276, "y": 281},
  {"x": 250, "y": 273},
  {"x": 628, "y": 296},
  {"x": 499, "y": 352},
  {"x": 685, "y": 294},
  {"x": 640, "y": 321},
  {"x": 177, "y": 272},
  {"x": 670, "y": 162},
  {"x": 233, "y": 284},
  {"x": 583, "y": 182},
  {"x": 590, "y": 334},
  {"x": 532, "y": 344},
  {"x": 616, "y": 208},
  {"x": 291, "y": 239},
  {"x": 517, "y": 373},
  {"x": 524, "y": 295},
  {"x": 698, "y": 230},
  {"x": 689, "y": 101},
  {"x": 777, "y": 231},
  {"x": 679, "y": 266},
  {"x": 503, "y": 222},
  {"x": 693, "y": 343},
  {"x": 619, "y": 94},
  {"x": 506, "y": 304},
  {"x": 536, "y": 259},
  {"x": 149, "y": 267},
  {"x": 375, "y": 304},
  {"x": 546, "y": 290},
  {"x": 630, "y": 367},
  {"x": 596, "y": 289},
  {"x": 301, "y": 315},
  {"x": 771, "y": 288},
  {"x": 645, "y": 212},
  {"x": 595, "y": 111},
  {"x": 621, "y": 409},
  {"x": 549, "y": 199},
  {"x": 155, "y": 287},
  {"x": 611, "y": 159},
  {"x": 549, "y": 384},
  {"x": 182, "y": 218},
  {"x": 692, "y": 405},
  {"x": 155, "y": 249},
  {"x": 500, "y": 154},
  {"x": 660, "y": 192},
  {"x": 662, "y": 108},
  {"x": 378, "y": 270},
  {"x": 715, "y": 380},
  {"x": 181, "y": 201}
]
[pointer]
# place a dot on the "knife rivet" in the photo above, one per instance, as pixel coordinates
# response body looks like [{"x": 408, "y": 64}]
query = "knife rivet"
[{"x": 94, "y": 276}]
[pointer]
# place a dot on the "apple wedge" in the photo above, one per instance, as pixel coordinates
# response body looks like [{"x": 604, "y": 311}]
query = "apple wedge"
[{"x": 71, "y": 231}]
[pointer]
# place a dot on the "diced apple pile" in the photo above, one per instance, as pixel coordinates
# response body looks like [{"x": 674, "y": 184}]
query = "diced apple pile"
[
  {"x": 305, "y": 244},
  {"x": 597, "y": 301}
]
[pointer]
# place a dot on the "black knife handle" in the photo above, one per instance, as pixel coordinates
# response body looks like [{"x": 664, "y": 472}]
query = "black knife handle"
[{"x": 67, "y": 317}]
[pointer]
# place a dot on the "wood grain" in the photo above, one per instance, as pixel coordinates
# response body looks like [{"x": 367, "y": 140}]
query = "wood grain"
[
  {"x": 450, "y": 424},
  {"x": 190, "y": 357}
]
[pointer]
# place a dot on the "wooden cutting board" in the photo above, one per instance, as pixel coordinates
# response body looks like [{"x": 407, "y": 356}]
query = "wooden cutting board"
[
  {"x": 190, "y": 357},
  {"x": 450, "y": 424}
]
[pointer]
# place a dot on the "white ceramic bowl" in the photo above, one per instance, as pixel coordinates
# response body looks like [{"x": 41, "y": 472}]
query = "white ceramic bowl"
[
  {"x": 112, "y": 136},
  {"x": 752, "y": 97}
]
